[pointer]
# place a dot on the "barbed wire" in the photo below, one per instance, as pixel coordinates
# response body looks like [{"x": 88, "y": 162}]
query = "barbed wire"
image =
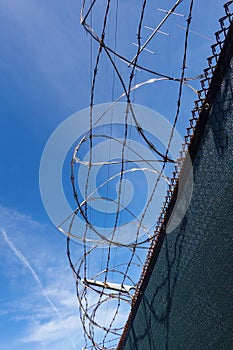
[
  {"x": 91, "y": 334},
  {"x": 101, "y": 323}
]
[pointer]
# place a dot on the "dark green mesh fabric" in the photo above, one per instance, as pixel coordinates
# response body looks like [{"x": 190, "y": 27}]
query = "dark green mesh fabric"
[{"x": 188, "y": 303}]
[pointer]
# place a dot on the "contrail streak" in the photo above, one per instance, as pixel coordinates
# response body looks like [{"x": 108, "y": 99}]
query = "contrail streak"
[{"x": 26, "y": 263}]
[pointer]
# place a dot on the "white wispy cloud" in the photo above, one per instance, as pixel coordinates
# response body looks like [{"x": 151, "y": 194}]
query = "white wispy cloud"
[
  {"x": 40, "y": 289},
  {"x": 52, "y": 331},
  {"x": 25, "y": 262},
  {"x": 52, "y": 328}
]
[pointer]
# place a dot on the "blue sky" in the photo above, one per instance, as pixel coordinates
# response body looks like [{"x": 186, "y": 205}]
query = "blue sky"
[{"x": 45, "y": 78}]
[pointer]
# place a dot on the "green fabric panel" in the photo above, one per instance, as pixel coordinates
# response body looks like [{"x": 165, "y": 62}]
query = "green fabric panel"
[{"x": 188, "y": 303}]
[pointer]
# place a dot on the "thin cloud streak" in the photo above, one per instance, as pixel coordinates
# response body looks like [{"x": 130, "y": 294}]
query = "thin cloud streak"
[{"x": 26, "y": 264}]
